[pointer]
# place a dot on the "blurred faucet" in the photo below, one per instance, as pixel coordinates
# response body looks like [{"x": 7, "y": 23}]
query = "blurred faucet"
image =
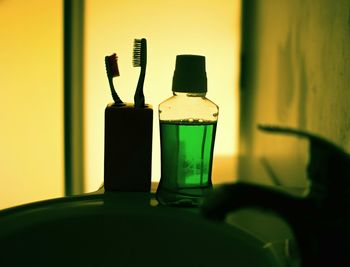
[{"x": 320, "y": 219}]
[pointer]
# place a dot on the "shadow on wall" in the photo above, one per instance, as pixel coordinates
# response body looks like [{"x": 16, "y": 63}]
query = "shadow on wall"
[
  {"x": 298, "y": 65},
  {"x": 292, "y": 82}
]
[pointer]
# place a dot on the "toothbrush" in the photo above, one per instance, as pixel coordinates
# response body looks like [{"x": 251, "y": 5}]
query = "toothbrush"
[
  {"x": 140, "y": 60},
  {"x": 113, "y": 71}
]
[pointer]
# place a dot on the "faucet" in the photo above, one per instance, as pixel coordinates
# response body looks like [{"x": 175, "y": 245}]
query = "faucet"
[{"x": 320, "y": 219}]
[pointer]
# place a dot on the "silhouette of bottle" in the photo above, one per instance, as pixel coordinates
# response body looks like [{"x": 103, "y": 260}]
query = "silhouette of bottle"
[{"x": 187, "y": 132}]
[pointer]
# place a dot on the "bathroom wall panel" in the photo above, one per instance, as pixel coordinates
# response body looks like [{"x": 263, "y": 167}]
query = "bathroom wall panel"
[
  {"x": 31, "y": 101},
  {"x": 297, "y": 74}
]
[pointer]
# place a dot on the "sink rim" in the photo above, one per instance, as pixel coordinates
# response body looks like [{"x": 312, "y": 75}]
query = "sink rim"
[{"x": 21, "y": 218}]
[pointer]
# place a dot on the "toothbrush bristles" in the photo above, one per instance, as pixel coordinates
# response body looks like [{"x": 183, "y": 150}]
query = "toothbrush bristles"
[
  {"x": 112, "y": 65},
  {"x": 137, "y": 53}
]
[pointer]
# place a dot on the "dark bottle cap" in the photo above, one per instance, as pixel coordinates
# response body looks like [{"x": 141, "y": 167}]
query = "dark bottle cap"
[{"x": 189, "y": 74}]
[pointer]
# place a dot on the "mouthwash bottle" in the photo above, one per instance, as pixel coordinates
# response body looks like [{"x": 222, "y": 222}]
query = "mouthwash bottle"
[{"x": 187, "y": 133}]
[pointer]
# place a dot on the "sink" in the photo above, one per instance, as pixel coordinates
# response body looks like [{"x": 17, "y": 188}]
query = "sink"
[{"x": 122, "y": 229}]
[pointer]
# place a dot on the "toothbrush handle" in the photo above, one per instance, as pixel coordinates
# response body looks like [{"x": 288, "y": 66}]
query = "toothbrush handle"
[
  {"x": 115, "y": 96},
  {"x": 139, "y": 98}
]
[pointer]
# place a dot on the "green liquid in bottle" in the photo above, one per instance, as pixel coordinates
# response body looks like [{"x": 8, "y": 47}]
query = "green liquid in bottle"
[{"x": 186, "y": 156}]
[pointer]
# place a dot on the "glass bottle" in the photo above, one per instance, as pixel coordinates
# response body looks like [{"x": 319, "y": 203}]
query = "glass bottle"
[{"x": 187, "y": 132}]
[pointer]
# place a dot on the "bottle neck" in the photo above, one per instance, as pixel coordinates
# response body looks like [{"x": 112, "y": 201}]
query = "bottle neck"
[{"x": 189, "y": 94}]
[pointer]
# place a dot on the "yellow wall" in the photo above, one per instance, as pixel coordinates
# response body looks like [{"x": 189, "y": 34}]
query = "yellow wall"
[
  {"x": 31, "y": 101},
  {"x": 297, "y": 76},
  {"x": 207, "y": 27}
]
